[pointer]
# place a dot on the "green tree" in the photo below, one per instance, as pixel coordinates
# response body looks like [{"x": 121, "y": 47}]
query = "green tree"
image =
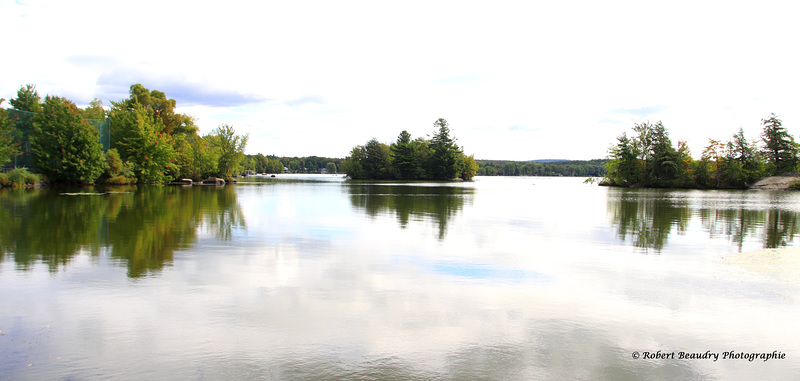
[
  {"x": 405, "y": 160},
  {"x": 330, "y": 167},
  {"x": 353, "y": 164},
  {"x": 66, "y": 148},
  {"x": 470, "y": 168},
  {"x": 142, "y": 140},
  {"x": 376, "y": 160},
  {"x": 664, "y": 163},
  {"x": 623, "y": 167},
  {"x": 780, "y": 148},
  {"x": 95, "y": 110},
  {"x": 204, "y": 157},
  {"x": 445, "y": 153},
  {"x": 8, "y": 147},
  {"x": 27, "y": 99},
  {"x": 746, "y": 154},
  {"x": 230, "y": 148}
]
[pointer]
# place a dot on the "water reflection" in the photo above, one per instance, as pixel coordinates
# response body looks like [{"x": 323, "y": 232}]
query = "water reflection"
[
  {"x": 141, "y": 227},
  {"x": 647, "y": 217},
  {"x": 407, "y": 202}
]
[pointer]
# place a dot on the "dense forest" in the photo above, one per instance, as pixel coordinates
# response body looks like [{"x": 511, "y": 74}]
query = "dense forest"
[
  {"x": 649, "y": 159},
  {"x": 438, "y": 158},
  {"x": 144, "y": 140},
  {"x": 274, "y": 164},
  {"x": 582, "y": 168}
]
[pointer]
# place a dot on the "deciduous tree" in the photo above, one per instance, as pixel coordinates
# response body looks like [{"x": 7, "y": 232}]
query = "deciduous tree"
[
  {"x": 230, "y": 148},
  {"x": 8, "y": 147},
  {"x": 66, "y": 148}
]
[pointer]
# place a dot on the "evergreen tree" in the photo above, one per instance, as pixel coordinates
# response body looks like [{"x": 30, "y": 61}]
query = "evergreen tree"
[
  {"x": 780, "y": 148},
  {"x": 404, "y": 159},
  {"x": 623, "y": 168},
  {"x": 444, "y": 164},
  {"x": 376, "y": 161},
  {"x": 27, "y": 99}
]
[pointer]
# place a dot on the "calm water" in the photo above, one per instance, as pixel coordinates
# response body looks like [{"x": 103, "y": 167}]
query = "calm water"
[{"x": 318, "y": 278}]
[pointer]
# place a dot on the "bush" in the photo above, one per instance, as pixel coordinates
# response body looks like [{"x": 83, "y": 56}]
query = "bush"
[
  {"x": 121, "y": 180},
  {"x": 18, "y": 178},
  {"x": 3, "y": 179},
  {"x": 795, "y": 185}
]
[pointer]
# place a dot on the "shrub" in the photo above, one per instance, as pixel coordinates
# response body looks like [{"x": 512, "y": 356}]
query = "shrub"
[
  {"x": 121, "y": 180},
  {"x": 795, "y": 185},
  {"x": 19, "y": 177}
]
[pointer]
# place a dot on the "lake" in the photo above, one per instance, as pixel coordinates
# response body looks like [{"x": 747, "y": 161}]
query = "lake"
[{"x": 315, "y": 277}]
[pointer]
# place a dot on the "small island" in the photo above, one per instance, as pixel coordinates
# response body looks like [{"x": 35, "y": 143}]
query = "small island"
[
  {"x": 649, "y": 159},
  {"x": 439, "y": 158}
]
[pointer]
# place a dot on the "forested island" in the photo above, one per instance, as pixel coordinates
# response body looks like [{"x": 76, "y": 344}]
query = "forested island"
[
  {"x": 649, "y": 159},
  {"x": 438, "y": 158}
]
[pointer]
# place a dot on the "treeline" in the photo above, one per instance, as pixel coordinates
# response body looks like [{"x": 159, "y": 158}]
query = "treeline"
[
  {"x": 649, "y": 159},
  {"x": 149, "y": 142},
  {"x": 420, "y": 159},
  {"x": 274, "y": 164},
  {"x": 581, "y": 168}
]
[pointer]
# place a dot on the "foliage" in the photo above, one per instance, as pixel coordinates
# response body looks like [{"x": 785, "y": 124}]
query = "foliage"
[
  {"x": 66, "y": 148},
  {"x": 8, "y": 147},
  {"x": 795, "y": 185},
  {"x": 160, "y": 107},
  {"x": 330, "y": 167},
  {"x": 624, "y": 166},
  {"x": 95, "y": 110},
  {"x": 19, "y": 178},
  {"x": 405, "y": 159},
  {"x": 27, "y": 99},
  {"x": 469, "y": 168},
  {"x": 142, "y": 141},
  {"x": 780, "y": 148},
  {"x": 353, "y": 166},
  {"x": 230, "y": 148},
  {"x": 648, "y": 159},
  {"x": 444, "y": 161},
  {"x": 376, "y": 162},
  {"x": 595, "y": 167},
  {"x": 117, "y": 172}
]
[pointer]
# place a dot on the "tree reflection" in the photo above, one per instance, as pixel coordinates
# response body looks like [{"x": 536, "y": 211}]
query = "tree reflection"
[
  {"x": 647, "y": 217},
  {"x": 141, "y": 227},
  {"x": 437, "y": 203}
]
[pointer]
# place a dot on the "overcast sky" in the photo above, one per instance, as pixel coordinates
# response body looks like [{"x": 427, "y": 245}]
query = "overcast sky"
[{"x": 517, "y": 80}]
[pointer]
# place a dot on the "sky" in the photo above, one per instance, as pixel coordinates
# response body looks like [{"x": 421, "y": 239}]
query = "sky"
[{"x": 516, "y": 80}]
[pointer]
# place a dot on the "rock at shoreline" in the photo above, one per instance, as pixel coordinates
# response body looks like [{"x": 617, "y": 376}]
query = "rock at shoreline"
[
  {"x": 213, "y": 181},
  {"x": 780, "y": 182}
]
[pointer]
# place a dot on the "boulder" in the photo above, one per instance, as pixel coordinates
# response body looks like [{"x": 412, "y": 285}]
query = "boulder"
[{"x": 213, "y": 181}]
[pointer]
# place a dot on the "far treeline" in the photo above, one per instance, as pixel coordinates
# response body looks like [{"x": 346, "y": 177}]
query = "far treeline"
[
  {"x": 581, "y": 168},
  {"x": 649, "y": 159},
  {"x": 438, "y": 158},
  {"x": 146, "y": 140},
  {"x": 274, "y": 164}
]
